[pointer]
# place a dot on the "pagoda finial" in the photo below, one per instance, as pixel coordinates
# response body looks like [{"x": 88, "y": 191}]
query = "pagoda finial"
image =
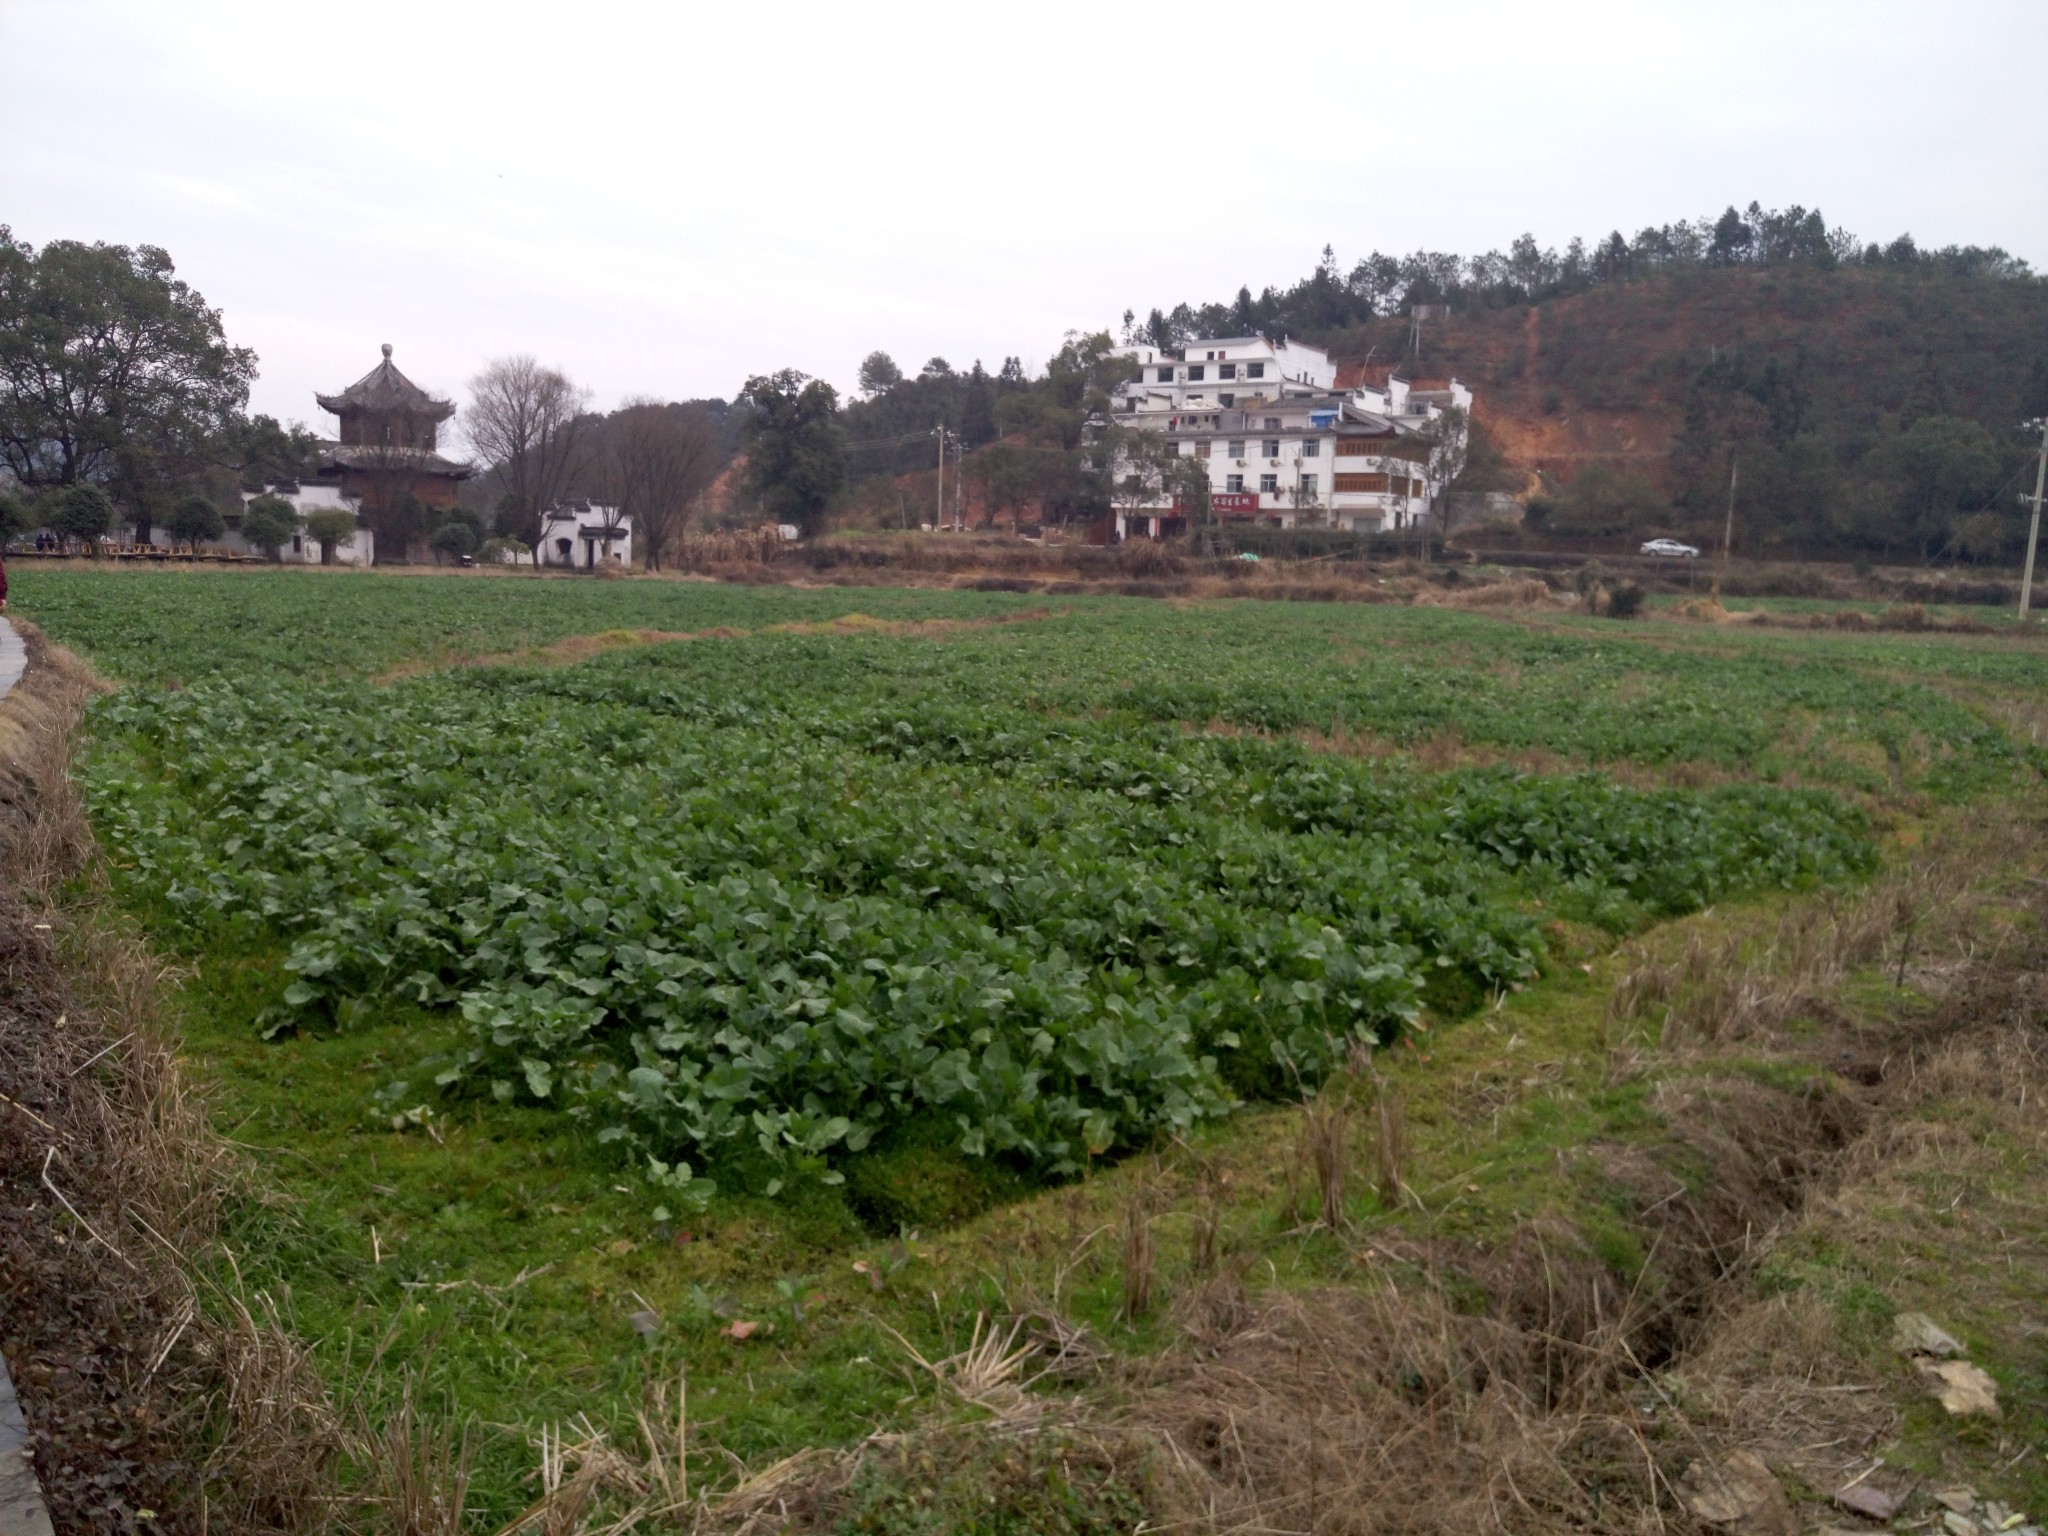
[{"x": 387, "y": 350}]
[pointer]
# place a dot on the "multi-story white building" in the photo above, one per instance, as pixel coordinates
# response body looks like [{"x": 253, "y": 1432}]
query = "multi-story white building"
[{"x": 1289, "y": 437}]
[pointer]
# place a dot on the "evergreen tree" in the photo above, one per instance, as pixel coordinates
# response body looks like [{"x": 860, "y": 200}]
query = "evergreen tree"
[
  {"x": 796, "y": 451},
  {"x": 195, "y": 520}
]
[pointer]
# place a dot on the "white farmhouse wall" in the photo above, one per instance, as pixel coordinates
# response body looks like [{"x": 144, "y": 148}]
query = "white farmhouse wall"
[{"x": 576, "y": 537}]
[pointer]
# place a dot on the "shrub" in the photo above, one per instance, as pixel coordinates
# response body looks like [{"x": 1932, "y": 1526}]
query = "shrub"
[
  {"x": 503, "y": 551},
  {"x": 194, "y": 520},
  {"x": 1625, "y": 601},
  {"x": 332, "y": 528},
  {"x": 15, "y": 518},
  {"x": 268, "y": 523},
  {"x": 82, "y": 512}
]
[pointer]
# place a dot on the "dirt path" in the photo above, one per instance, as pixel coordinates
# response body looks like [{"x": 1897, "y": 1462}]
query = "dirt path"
[
  {"x": 13, "y": 658},
  {"x": 111, "y": 1391},
  {"x": 572, "y": 649}
]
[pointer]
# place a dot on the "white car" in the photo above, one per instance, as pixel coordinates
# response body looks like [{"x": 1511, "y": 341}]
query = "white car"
[{"x": 1669, "y": 549}]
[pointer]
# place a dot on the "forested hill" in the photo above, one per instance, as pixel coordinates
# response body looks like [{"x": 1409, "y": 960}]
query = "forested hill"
[{"x": 1869, "y": 394}]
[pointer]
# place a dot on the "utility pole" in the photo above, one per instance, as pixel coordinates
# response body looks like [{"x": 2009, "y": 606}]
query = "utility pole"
[
  {"x": 1727, "y": 528},
  {"x": 2034, "y": 523},
  {"x": 939, "y": 516}
]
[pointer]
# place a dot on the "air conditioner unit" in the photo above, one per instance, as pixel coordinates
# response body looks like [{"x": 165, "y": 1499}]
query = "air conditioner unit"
[{"x": 1239, "y": 463}]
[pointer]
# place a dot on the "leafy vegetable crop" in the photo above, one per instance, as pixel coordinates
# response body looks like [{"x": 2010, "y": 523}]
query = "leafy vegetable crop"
[{"x": 791, "y": 893}]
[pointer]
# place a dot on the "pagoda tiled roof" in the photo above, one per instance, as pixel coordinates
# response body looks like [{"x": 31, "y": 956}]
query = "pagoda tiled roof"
[
  {"x": 380, "y": 460},
  {"x": 386, "y": 391}
]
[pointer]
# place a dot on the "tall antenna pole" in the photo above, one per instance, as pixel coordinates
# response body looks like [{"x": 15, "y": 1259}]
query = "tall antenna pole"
[
  {"x": 1727, "y": 528},
  {"x": 2034, "y": 523}
]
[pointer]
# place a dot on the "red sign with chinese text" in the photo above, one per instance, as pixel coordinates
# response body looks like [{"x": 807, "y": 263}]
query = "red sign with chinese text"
[{"x": 1227, "y": 503}]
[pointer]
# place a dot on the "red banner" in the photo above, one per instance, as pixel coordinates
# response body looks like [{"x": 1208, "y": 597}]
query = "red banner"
[{"x": 1226, "y": 503}]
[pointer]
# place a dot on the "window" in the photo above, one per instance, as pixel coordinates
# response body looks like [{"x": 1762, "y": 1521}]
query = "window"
[
  {"x": 1269, "y": 485},
  {"x": 1234, "y": 484},
  {"x": 1270, "y": 448},
  {"x": 1226, "y": 401},
  {"x": 1312, "y": 448},
  {"x": 1165, "y": 375},
  {"x": 1226, "y": 370},
  {"x": 1172, "y": 448},
  {"x": 1195, "y": 372},
  {"x": 1202, "y": 449},
  {"x": 1308, "y": 487},
  {"x": 1361, "y": 483},
  {"x": 1354, "y": 447},
  {"x": 1236, "y": 448},
  {"x": 1272, "y": 423},
  {"x": 1255, "y": 370}
]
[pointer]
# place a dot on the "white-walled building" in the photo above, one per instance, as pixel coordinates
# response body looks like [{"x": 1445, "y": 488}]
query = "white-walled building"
[
  {"x": 587, "y": 536},
  {"x": 306, "y": 497},
  {"x": 1290, "y": 438}
]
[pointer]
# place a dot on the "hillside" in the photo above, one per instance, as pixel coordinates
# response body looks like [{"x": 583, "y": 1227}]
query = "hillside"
[
  {"x": 1607, "y": 373},
  {"x": 1868, "y": 395}
]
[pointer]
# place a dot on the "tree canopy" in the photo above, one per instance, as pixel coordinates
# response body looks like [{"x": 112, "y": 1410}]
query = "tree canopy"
[
  {"x": 82, "y": 512},
  {"x": 796, "y": 450},
  {"x": 194, "y": 520},
  {"x": 268, "y": 524},
  {"x": 112, "y": 370}
]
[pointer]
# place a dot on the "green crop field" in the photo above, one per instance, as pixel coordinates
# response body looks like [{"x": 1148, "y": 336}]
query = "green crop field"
[{"x": 674, "y": 979}]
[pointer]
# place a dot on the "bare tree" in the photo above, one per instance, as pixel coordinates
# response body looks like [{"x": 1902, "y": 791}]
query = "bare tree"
[
  {"x": 659, "y": 459},
  {"x": 1140, "y": 462},
  {"x": 526, "y": 422},
  {"x": 1450, "y": 444}
]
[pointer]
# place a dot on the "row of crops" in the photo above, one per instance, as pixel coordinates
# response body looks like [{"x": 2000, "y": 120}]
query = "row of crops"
[{"x": 1055, "y": 887}]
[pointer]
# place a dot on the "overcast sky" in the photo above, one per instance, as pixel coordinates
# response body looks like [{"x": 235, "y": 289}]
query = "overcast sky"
[{"x": 664, "y": 198}]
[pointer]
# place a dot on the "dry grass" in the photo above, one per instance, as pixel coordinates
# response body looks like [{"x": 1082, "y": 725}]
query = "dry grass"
[
  {"x": 1326, "y": 1134},
  {"x": 142, "y": 1174},
  {"x": 1526, "y": 592},
  {"x": 1390, "y": 1117},
  {"x": 573, "y": 649},
  {"x": 1138, "y": 1258}
]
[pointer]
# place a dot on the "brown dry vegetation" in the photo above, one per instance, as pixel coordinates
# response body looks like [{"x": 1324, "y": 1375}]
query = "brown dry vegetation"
[{"x": 146, "y": 1386}]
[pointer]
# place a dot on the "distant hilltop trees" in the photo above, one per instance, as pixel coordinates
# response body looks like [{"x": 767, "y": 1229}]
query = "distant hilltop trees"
[{"x": 1330, "y": 298}]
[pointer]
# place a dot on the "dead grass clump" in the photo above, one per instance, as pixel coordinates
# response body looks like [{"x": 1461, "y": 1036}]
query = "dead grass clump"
[
  {"x": 419, "y": 1468},
  {"x": 1387, "y": 1413},
  {"x": 1326, "y": 1128},
  {"x": 1707, "y": 610},
  {"x": 1526, "y": 593},
  {"x": 1774, "y": 1376},
  {"x": 1138, "y": 1259},
  {"x": 1751, "y": 982},
  {"x": 1390, "y": 1115}
]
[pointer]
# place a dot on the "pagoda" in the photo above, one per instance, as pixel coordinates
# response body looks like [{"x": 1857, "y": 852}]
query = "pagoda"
[{"x": 389, "y": 433}]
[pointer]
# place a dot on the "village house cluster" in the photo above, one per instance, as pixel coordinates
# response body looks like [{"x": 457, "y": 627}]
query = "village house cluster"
[
  {"x": 1290, "y": 438},
  {"x": 387, "y": 445}
]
